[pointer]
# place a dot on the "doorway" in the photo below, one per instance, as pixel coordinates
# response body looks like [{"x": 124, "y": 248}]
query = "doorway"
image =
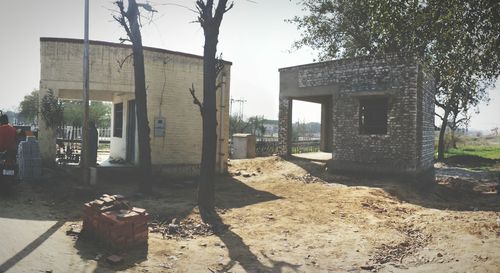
[{"x": 311, "y": 127}]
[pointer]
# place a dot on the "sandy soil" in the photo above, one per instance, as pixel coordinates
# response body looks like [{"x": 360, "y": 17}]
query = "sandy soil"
[{"x": 292, "y": 216}]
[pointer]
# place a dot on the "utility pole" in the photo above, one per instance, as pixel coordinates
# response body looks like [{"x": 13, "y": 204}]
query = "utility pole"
[
  {"x": 241, "y": 103},
  {"x": 85, "y": 133}
]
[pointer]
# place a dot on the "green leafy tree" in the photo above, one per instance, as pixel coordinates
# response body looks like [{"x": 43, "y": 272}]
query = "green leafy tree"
[
  {"x": 237, "y": 125},
  {"x": 100, "y": 113},
  {"x": 257, "y": 125},
  {"x": 457, "y": 40},
  {"x": 28, "y": 108},
  {"x": 51, "y": 110}
]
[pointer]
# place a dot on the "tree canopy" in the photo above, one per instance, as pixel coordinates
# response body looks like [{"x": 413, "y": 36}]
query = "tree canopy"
[
  {"x": 100, "y": 113},
  {"x": 458, "y": 41},
  {"x": 28, "y": 108}
]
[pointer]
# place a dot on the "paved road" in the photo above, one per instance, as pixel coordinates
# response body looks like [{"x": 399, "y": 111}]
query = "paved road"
[{"x": 38, "y": 246}]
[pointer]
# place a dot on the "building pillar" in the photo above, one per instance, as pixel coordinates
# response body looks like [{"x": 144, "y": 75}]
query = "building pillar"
[
  {"x": 326, "y": 126},
  {"x": 285, "y": 126}
]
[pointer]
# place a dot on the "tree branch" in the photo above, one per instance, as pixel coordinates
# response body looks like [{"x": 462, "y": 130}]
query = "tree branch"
[
  {"x": 461, "y": 120},
  {"x": 219, "y": 65},
  {"x": 121, "y": 19},
  {"x": 123, "y": 61},
  {"x": 230, "y": 7},
  {"x": 220, "y": 10},
  {"x": 441, "y": 105},
  {"x": 123, "y": 40},
  {"x": 195, "y": 99}
]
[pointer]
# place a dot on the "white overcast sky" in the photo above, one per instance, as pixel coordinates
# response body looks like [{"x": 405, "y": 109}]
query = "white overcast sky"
[{"x": 254, "y": 36}]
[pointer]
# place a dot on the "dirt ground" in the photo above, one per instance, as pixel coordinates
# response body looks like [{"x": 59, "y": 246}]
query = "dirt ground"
[{"x": 281, "y": 215}]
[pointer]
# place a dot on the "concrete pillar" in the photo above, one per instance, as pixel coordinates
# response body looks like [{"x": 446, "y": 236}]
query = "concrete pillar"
[
  {"x": 46, "y": 136},
  {"x": 285, "y": 126},
  {"x": 326, "y": 126}
]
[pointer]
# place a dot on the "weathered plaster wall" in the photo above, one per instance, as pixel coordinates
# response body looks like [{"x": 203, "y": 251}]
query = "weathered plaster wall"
[
  {"x": 406, "y": 148},
  {"x": 169, "y": 75}
]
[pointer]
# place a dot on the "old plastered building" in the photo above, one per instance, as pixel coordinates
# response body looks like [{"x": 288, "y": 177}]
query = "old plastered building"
[
  {"x": 175, "y": 122},
  {"x": 377, "y": 113}
]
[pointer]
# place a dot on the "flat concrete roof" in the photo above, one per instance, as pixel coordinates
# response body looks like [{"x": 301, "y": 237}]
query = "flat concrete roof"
[
  {"x": 350, "y": 60},
  {"x": 104, "y": 43}
]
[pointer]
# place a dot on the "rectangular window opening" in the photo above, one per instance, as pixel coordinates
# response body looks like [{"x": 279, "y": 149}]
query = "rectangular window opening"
[
  {"x": 373, "y": 116},
  {"x": 118, "y": 120}
]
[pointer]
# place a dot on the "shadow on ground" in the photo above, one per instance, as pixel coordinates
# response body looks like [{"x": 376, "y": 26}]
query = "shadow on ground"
[
  {"x": 240, "y": 253},
  {"x": 60, "y": 197},
  {"x": 446, "y": 193},
  {"x": 28, "y": 249},
  {"x": 91, "y": 249}
]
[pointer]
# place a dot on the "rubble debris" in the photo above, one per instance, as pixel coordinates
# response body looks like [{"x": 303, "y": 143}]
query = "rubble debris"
[
  {"x": 415, "y": 240},
  {"x": 112, "y": 219},
  {"x": 114, "y": 259},
  {"x": 456, "y": 183},
  {"x": 307, "y": 178},
  {"x": 367, "y": 267},
  {"x": 369, "y": 204},
  {"x": 188, "y": 228},
  {"x": 245, "y": 173},
  {"x": 74, "y": 230}
]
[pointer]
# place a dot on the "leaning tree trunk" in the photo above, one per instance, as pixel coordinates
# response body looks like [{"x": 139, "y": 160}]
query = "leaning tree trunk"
[
  {"x": 442, "y": 131},
  {"x": 140, "y": 99}
]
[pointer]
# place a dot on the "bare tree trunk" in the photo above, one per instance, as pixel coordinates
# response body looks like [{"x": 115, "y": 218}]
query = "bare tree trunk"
[
  {"x": 140, "y": 99},
  {"x": 210, "y": 23},
  {"x": 134, "y": 32},
  {"x": 441, "y": 135},
  {"x": 206, "y": 191}
]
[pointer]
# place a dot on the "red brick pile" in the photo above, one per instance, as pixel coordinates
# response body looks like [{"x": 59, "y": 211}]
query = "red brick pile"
[{"x": 111, "y": 218}]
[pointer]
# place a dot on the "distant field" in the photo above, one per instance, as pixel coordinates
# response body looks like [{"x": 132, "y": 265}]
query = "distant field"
[
  {"x": 490, "y": 152},
  {"x": 486, "y": 147}
]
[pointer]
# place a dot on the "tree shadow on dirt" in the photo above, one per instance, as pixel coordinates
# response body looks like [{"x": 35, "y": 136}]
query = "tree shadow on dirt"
[
  {"x": 175, "y": 200},
  {"x": 232, "y": 193},
  {"x": 61, "y": 197},
  {"x": 28, "y": 249},
  {"x": 240, "y": 253},
  {"x": 91, "y": 249},
  {"x": 444, "y": 193}
]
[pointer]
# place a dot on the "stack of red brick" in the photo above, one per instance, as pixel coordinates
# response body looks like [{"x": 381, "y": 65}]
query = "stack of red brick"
[{"x": 111, "y": 218}]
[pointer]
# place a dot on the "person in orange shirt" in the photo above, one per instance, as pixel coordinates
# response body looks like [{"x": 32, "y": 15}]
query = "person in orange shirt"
[{"x": 7, "y": 136}]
